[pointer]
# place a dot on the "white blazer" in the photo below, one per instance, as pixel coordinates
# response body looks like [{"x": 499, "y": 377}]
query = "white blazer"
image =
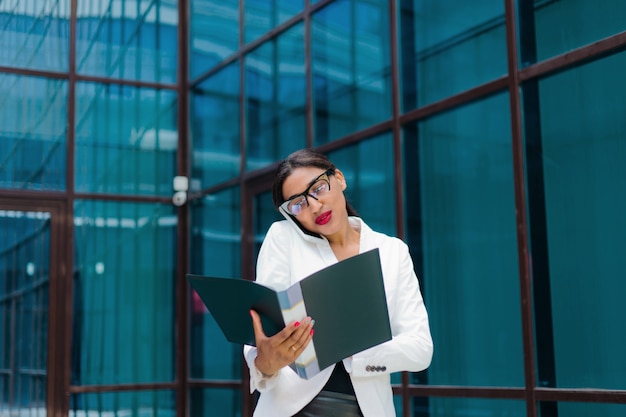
[{"x": 288, "y": 255}]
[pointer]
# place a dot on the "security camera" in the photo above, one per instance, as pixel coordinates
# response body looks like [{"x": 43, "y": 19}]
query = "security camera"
[{"x": 179, "y": 198}]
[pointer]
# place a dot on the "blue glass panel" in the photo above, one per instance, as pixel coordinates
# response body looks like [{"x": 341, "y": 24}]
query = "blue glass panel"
[
  {"x": 216, "y": 250},
  {"x": 262, "y": 15},
  {"x": 35, "y": 34},
  {"x": 351, "y": 67},
  {"x": 24, "y": 294},
  {"x": 129, "y": 40},
  {"x": 33, "y": 123},
  {"x": 264, "y": 215},
  {"x": 215, "y": 402},
  {"x": 369, "y": 170},
  {"x": 461, "y": 228},
  {"x": 215, "y": 128},
  {"x": 477, "y": 407},
  {"x": 276, "y": 99},
  {"x": 126, "y": 139},
  {"x": 214, "y": 33},
  {"x": 583, "y": 149},
  {"x": 561, "y": 26},
  {"x": 132, "y": 403},
  {"x": 448, "y": 47},
  {"x": 577, "y": 409},
  {"x": 123, "y": 306}
]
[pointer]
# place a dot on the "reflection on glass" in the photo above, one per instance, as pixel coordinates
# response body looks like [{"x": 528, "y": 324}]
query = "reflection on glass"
[
  {"x": 214, "y": 33},
  {"x": 448, "y": 47},
  {"x": 584, "y": 176},
  {"x": 130, "y": 403},
  {"x": 215, "y": 402},
  {"x": 461, "y": 230},
  {"x": 123, "y": 306},
  {"x": 126, "y": 139},
  {"x": 32, "y": 133},
  {"x": 216, "y": 250},
  {"x": 215, "y": 108},
  {"x": 35, "y": 34},
  {"x": 276, "y": 99},
  {"x": 24, "y": 288},
  {"x": 445, "y": 407},
  {"x": 264, "y": 215},
  {"x": 351, "y": 67},
  {"x": 369, "y": 170},
  {"x": 577, "y": 409},
  {"x": 261, "y": 15},
  {"x": 561, "y": 26},
  {"x": 128, "y": 40}
]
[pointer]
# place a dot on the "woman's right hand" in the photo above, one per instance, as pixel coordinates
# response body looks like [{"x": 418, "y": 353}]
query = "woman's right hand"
[{"x": 278, "y": 351}]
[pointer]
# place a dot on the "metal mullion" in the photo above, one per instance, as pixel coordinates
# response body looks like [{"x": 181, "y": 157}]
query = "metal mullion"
[
  {"x": 308, "y": 68},
  {"x": 181, "y": 287},
  {"x": 398, "y": 162},
  {"x": 520, "y": 208}
]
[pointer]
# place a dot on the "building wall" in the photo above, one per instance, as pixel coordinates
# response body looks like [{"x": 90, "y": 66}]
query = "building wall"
[{"x": 489, "y": 135}]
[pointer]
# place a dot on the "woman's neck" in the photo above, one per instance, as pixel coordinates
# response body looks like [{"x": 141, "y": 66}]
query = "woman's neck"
[{"x": 345, "y": 244}]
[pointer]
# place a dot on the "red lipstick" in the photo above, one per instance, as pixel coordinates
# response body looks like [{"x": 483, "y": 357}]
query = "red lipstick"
[{"x": 324, "y": 218}]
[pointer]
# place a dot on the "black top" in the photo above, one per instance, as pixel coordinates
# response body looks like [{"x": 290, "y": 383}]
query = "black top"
[{"x": 339, "y": 381}]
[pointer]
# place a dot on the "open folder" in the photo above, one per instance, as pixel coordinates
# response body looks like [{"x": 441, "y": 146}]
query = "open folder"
[{"x": 346, "y": 300}]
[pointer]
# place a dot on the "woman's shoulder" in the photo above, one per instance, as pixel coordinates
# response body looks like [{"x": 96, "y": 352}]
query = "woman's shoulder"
[{"x": 380, "y": 238}]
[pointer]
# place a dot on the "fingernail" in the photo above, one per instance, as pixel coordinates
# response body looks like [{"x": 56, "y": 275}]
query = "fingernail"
[
  {"x": 296, "y": 324},
  {"x": 312, "y": 322},
  {"x": 312, "y": 331}
]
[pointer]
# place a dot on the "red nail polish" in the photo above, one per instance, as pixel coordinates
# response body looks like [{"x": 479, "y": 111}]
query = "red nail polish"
[
  {"x": 312, "y": 331},
  {"x": 296, "y": 324}
]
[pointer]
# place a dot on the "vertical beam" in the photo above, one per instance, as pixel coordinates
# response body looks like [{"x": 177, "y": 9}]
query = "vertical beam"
[
  {"x": 182, "y": 241},
  {"x": 520, "y": 207},
  {"x": 246, "y": 210}
]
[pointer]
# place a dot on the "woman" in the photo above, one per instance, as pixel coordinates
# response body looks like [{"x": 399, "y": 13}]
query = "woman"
[{"x": 322, "y": 229}]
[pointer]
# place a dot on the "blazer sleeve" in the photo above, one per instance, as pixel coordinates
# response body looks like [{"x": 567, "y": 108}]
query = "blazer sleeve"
[{"x": 411, "y": 346}]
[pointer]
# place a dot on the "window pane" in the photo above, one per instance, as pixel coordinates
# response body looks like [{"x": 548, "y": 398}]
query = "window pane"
[
  {"x": 582, "y": 154},
  {"x": 215, "y": 402},
  {"x": 216, "y": 250},
  {"x": 139, "y": 403},
  {"x": 123, "y": 322},
  {"x": 462, "y": 233},
  {"x": 276, "y": 99},
  {"x": 128, "y": 40},
  {"x": 561, "y": 26},
  {"x": 264, "y": 215},
  {"x": 262, "y": 15},
  {"x": 214, "y": 33},
  {"x": 447, "y": 407},
  {"x": 24, "y": 292},
  {"x": 35, "y": 34},
  {"x": 126, "y": 139},
  {"x": 351, "y": 67},
  {"x": 577, "y": 409},
  {"x": 215, "y": 128},
  {"x": 369, "y": 170},
  {"x": 449, "y": 47},
  {"x": 32, "y": 132}
]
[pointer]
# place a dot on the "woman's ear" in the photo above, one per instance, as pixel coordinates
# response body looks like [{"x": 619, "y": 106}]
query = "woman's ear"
[{"x": 341, "y": 179}]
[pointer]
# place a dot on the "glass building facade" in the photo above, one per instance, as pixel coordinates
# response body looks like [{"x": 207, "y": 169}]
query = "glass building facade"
[{"x": 489, "y": 135}]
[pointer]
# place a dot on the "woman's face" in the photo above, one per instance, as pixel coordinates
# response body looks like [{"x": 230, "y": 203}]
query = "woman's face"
[{"x": 324, "y": 214}]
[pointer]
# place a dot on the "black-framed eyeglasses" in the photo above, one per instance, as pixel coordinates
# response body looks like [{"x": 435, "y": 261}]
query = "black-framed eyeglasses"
[{"x": 317, "y": 188}]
